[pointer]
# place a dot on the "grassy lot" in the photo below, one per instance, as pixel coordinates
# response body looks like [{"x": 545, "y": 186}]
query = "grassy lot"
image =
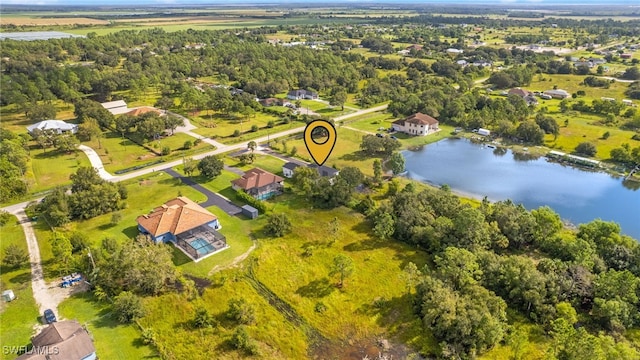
[
  {"x": 266, "y": 162},
  {"x": 221, "y": 127},
  {"x": 17, "y": 318},
  {"x": 42, "y": 176},
  {"x": 111, "y": 339},
  {"x": 170, "y": 317},
  {"x": 571, "y": 83},
  {"x": 345, "y": 153},
  {"x": 118, "y": 153},
  {"x": 351, "y": 311},
  {"x": 583, "y": 128}
]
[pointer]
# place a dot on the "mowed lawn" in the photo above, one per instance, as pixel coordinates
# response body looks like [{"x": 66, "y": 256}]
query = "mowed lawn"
[
  {"x": 52, "y": 168},
  {"x": 111, "y": 339},
  {"x": 18, "y": 317},
  {"x": 221, "y": 126},
  {"x": 119, "y": 153}
]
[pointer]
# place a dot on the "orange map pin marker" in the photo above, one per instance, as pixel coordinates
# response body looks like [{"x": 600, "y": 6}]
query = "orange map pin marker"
[{"x": 320, "y": 138}]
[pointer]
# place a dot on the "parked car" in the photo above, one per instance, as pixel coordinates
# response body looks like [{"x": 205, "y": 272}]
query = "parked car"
[
  {"x": 393, "y": 137},
  {"x": 379, "y": 135},
  {"x": 49, "y": 316}
]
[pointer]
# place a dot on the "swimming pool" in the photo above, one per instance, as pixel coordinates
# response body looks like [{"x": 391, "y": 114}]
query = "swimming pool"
[{"x": 202, "y": 246}]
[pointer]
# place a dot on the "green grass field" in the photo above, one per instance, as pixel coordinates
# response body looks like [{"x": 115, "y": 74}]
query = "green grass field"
[
  {"x": 41, "y": 175},
  {"x": 111, "y": 339},
  {"x": 18, "y": 317},
  {"x": 571, "y": 83},
  {"x": 584, "y": 128}
]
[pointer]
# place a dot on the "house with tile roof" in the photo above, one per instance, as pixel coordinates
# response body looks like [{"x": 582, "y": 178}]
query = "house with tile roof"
[
  {"x": 185, "y": 223},
  {"x": 416, "y": 124},
  {"x": 62, "y": 340},
  {"x": 259, "y": 183}
]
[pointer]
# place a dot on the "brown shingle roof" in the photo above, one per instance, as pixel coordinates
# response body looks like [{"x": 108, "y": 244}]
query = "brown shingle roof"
[
  {"x": 421, "y": 119},
  {"x": 175, "y": 216},
  {"x": 63, "y": 340},
  {"x": 256, "y": 178},
  {"x": 519, "y": 92}
]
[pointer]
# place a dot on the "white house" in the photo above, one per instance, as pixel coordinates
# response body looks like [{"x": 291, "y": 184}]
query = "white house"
[
  {"x": 58, "y": 126},
  {"x": 288, "y": 168},
  {"x": 416, "y": 124},
  {"x": 302, "y": 94}
]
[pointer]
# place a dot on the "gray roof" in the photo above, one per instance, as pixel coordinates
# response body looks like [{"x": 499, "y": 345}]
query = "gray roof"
[
  {"x": 249, "y": 208},
  {"x": 325, "y": 170},
  {"x": 57, "y": 125},
  {"x": 290, "y": 165},
  {"x": 70, "y": 340}
]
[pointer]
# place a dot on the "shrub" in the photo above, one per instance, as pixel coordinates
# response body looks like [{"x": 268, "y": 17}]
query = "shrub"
[
  {"x": 586, "y": 148},
  {"x": 241, "y": 311},
  {"x": 236, "y": 133},
  {"x": 254, "y": 128},
  {"x": 197, "y": 142},
  {"x": 278, "y": 225},
  {"x": 271, "y": 124},
  {"x": 15, "y": 256},
  {"x": 149, "y": 337},
  {"x": 320, "y": 307},
  {"x": 166, "y": 150},
  {"x": 203, "y": 319},
  {"x": 606, "y": 135},
  {"x": 243, "y": 196},
  {"x": 115, "y": 218},
  {"x": 5, "y": 216},
  {"x": 128, "y": 307},
  {"x": 242, "y": 341},
  {"x": 187, "y": 145}
]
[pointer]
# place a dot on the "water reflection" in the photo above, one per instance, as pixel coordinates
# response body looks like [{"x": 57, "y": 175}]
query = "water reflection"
[{"x": 577, "y": 195}]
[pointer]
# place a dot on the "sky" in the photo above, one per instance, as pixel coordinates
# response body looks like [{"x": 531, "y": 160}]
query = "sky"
[{"x": 631, "y": 3}]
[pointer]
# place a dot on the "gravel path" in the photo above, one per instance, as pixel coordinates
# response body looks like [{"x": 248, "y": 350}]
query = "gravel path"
[{"x": 43, "y": 297}]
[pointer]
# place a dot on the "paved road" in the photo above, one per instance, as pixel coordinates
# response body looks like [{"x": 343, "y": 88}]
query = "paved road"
[
  {"x": 226, "y": 148},
  {"x": 212, "y": 198}
]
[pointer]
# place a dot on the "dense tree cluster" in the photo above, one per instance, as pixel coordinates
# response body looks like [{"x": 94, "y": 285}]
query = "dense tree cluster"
[
  {"x": 90, "y": 196},
  {"x": 481, "y": 253},
  {"x": 13, "y": 165},
  {"x": 137, "y": 266}
]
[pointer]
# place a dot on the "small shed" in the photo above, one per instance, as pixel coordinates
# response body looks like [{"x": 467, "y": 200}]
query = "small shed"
[
  {"x": 8, "y": 295},
  {"x": 484, "y": 132},
  {"x": 250, "y": 211}
]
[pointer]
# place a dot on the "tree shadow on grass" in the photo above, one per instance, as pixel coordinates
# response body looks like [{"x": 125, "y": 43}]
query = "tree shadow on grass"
[
  {"x": 22, "y": 278},
  {"x": 130, "y": 232},
  {"x": 356, "y": 156},
  {"x": 178, "y": 257},
  {"x": 316, "y": 289},
  {"x": 106, "y": 319}
]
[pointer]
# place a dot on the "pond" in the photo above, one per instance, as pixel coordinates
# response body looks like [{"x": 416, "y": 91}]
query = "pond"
[{"x": 579, "y": 196}]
